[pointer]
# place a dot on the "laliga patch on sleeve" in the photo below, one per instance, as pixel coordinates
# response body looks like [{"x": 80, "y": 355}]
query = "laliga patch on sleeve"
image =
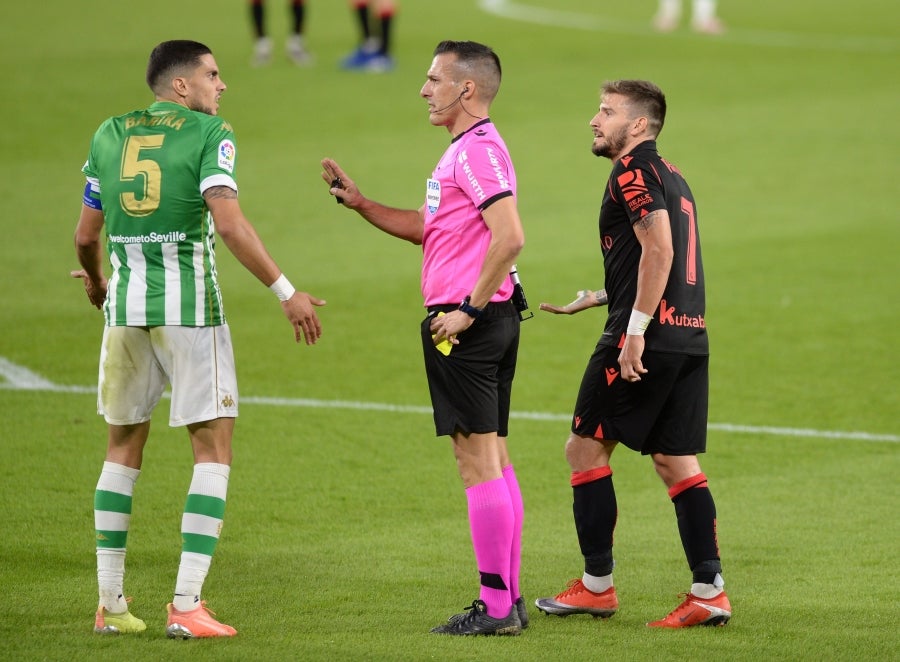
[{"x": 227, "y": 153}]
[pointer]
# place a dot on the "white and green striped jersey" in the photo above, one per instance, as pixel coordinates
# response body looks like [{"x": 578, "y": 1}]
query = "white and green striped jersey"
[{"x": 151, "y": 167}]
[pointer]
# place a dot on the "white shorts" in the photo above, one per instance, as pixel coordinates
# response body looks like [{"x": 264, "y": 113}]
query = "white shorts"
[{"x": 137, "y": 363}]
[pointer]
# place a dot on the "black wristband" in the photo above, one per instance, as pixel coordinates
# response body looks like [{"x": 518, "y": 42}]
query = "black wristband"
[{"x": 469, "y": 309}]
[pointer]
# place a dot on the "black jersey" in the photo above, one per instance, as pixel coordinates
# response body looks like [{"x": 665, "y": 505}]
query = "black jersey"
[{"x": 642, "y": 182}]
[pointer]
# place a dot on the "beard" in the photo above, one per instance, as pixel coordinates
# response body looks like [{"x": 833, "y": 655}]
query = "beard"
[
  {"x": 200, "y": 106},
  {"x": 612, "y": 146}
]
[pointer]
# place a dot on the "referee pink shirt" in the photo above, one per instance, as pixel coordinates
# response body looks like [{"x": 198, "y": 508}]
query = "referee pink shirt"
[{"x": 474, "y": 172}]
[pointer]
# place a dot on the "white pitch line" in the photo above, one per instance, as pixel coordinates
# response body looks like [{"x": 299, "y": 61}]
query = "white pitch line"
[
  {"x": 526, "y": 13},
  {"x": 19, "y": 378}
]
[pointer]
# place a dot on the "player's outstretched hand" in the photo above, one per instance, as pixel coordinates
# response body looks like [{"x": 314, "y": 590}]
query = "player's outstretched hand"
[
  {"x": 584, "y": 300},
  {"x": 341, "y": 186},
  {"x": 96, "y": 292},
  {"x": 301, "y": 313}
]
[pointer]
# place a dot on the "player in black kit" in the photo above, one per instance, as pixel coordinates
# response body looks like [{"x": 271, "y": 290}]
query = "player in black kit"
[{"x": 647, "y": 383}]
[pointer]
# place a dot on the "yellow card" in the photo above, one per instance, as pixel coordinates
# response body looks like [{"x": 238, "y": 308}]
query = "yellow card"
[{"x": 445, "y": 345}]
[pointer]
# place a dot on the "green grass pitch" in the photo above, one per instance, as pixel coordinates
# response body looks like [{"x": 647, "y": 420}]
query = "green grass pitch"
[{"x": 345, "y": 534}]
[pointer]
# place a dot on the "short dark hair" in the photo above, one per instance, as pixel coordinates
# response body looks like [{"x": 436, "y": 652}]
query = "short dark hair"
[
  {"x": 172, "y": 57},
  {"x": 646, "y": 97},
  {"x": 478, "y": 60}
]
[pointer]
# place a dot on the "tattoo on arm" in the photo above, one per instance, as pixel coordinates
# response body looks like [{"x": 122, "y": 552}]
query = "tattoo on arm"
[
  {"x": 647, "y": 222},
  {"x": 222, "y": 192}
]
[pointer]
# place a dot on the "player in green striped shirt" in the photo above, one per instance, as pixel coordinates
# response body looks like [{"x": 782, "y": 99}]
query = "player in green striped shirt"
[{"x": 161, "y": 181}]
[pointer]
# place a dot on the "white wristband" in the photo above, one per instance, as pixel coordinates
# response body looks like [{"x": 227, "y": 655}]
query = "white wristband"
[
  {"x": 638, "y": 323},
  {"x": 282, "y": 288}
]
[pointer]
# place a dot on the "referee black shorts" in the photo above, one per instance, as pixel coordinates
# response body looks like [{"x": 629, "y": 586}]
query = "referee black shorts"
[
  {"x": 666, "y": 412},
  {"x": 470, "y": 387}
]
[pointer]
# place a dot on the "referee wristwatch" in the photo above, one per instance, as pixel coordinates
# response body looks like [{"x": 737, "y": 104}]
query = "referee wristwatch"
[{"x": 469, "y": 309}]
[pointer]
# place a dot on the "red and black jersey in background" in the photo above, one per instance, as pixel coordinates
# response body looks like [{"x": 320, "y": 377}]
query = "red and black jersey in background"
[{"x": 642, "y": 182}]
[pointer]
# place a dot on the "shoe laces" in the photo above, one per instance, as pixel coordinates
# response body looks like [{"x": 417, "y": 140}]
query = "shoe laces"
[
  {"x": 470, "y": 615},
  {"x": 686, "y": 602},
  {"x": 207, "y": 609},
  {"x": 472, "y": 609},
  {"x": 573, "y": 587}
]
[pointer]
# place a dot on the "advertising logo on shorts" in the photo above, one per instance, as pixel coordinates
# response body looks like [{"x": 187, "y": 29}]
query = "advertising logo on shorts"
[
  {"x": 433, "y": 195},
  {"x": 226, "y": 155}
]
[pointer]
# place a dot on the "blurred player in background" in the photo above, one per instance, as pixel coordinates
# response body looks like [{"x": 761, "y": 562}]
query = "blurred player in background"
[
  {"x": 648, "y": 391},
  {"x": 374, "y": 51},
  {"x": 262, "y": 47},
  {"x": 703, "y": 16},
  {"x": 161, "y": 181},
  {"x": 470, "y": 233}
]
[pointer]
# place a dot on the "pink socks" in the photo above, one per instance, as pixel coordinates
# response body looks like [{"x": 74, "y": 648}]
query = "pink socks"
[{"x": 495, "y": 525}]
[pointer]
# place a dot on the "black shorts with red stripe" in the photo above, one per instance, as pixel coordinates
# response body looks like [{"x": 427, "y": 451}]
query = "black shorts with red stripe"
[{"x": 665, "y": 412}]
